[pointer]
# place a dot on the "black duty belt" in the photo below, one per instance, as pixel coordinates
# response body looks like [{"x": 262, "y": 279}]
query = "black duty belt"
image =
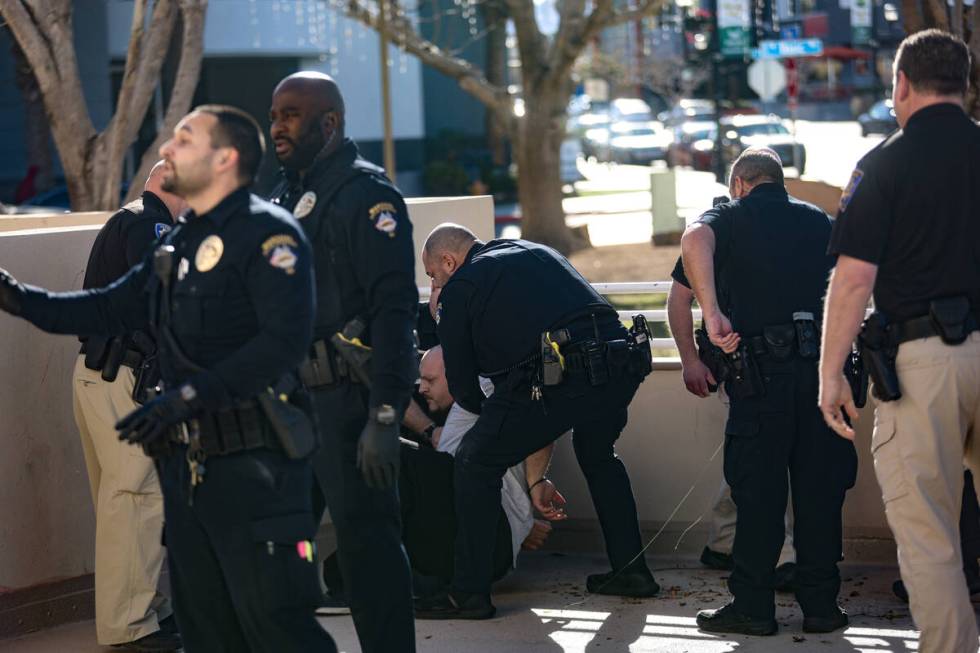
[
  {"x": 242, "y": 428},
  {"x": 923, "y": 327},
  {"x": 324, "y": 367}
]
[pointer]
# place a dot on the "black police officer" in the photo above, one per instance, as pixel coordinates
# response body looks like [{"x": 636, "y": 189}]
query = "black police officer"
[
  {"x": 908, "y": 230},
  {"x": 497, "y": 300},
  {"x": 358, "y": 225},
  {"x": 229, "y": 297},
  {"x": 768, "y": 251},
  {"x": 130, "y": 612}
]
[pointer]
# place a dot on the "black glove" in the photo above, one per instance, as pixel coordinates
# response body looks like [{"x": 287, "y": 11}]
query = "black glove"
[
  {"x": 147, "y": 423},
  {"x": 378, "y": 453},
  {"x": 10, "y": 293}
]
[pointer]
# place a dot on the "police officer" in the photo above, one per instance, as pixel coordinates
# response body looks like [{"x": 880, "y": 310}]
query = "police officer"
[
  {"x": 508, "y": 307},
  {"x": 130, "y": 612},
  {"x": 768, "y": 253},
  {"x": 229, "y": 297},
  {"x": 699, "y": 381},
  {"x": 358, "y": 226},
  {"x": 908, "y": 230}
]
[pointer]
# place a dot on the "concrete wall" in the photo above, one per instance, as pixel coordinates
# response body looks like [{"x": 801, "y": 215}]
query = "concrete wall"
[{"x": 46, "y": 518}]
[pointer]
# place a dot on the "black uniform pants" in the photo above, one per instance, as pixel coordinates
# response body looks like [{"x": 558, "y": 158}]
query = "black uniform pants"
[
  {"x": 429, "y": 517},
  {"x": 372, "y": 560},
  {"x": 239, "y": 583},
  {"x": 513, "y": 426},
  {"x": 767, "y": 438},
  {"x": 970, "y": 528}
]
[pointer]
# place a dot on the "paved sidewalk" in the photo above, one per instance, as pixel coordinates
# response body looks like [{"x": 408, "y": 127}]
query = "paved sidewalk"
[{"x": 541, "y": 610}]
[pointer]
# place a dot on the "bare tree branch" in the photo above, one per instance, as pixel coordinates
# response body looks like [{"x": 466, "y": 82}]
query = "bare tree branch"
[
  {"x": 643, "y": 9},
  {"x": 912, "y": 18},
  {"x": 185, "y": 83},
  {"x": 402, "y": 33},
  {"x": 530, "y": 41}
]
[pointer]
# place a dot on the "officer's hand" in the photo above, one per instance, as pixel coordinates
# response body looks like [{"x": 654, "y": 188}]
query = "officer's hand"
[
  {"x": 697, "y": 378},
  {"x": 540, "y": 531},
  {"x": 149, "y": 422},
  {"x": 378, "y": 454},
  {"x": 720, "y": 332},
  {"x": 10, "y": 293},
  {"x": 548, "y": 501},
  {"x": 835, "y": 392}
]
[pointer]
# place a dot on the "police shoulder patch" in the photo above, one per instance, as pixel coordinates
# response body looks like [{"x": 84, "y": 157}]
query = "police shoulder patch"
[
  {"x": 280, "y": 252},
  {"x": 161, "y": 228},
  {"x": 852, "y": 185},
  {"x": 384, "y": 215}
]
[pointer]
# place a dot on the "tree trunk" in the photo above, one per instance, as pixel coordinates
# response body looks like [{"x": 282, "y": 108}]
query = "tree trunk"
[
  {"x": 37, "y": 133},
  {"x": 496, "y": 69},
  {"x": 537, "y": 145},
  {"x": 912, "y": 19},
  {"x": 192, "y": 13}
]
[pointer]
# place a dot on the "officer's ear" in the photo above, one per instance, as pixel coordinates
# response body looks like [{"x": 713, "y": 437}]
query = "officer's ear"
[
  {"x": 902, "y": 86},
  {"x": 330, "y": 122},
  {"x": 226, "y": 158}
]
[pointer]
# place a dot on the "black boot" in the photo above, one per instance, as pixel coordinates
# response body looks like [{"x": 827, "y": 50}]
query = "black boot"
[
  {"x": 158, "y": 642},
  {"x": 451, "y": 605},
  {"x": 728, "y": 620},
  {"x": 633, "y": 583},
  {"x": 836, "y": 621},
  {"x": 717, "y": 560}
]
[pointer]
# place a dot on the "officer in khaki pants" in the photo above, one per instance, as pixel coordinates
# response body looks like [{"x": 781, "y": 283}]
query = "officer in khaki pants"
[
  {"x": 908, "y": 229},
  {"x": 130, "y": 613}
]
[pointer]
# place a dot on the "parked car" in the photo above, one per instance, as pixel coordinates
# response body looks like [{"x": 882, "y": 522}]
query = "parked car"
[
  {"x": 741, "y": 132},
  {"x": 879, "y": 119},
  {"x": 591, "y": 129},
  {"x": 638, "y": 143},
  {"x": 692, "y": 145},
  {"x": 688, "y": 110},
  {"x": 629, "y": 110}
]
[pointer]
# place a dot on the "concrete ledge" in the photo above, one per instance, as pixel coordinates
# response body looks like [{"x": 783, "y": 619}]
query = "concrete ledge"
[{"x": 50, "y": 604}]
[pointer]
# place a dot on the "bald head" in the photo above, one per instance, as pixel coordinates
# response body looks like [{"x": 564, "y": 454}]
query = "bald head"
[
  {"x": 445, "y": 251},
  {"x": 307, "y": 117},
  {"x": 432, "y": 381},
  {"x": 754, "y": 166},
  {"x": 319, "y": 89}
]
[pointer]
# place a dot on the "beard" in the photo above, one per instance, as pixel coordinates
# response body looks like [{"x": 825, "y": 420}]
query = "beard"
[
  {"x": 189, "y": 182},
  {"x": 305, "y": 147}
]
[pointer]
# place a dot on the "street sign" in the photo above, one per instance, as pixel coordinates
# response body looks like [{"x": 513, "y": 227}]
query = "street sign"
[
  {"x": 734, "y": 22},
  {"x": 788, "y": 48},
  {"x": 861, "y": 22},
  {"x": 789, "y": 32},
  {"x": 767, "y": 77}
]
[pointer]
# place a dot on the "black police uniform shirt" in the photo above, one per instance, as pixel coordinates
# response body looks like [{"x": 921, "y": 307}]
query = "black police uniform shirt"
[
  {"x": 125, "y": 239},
  {"x": 770, "y": 258},
  {"x": 358, "y": 226},
  {"x": 912, "y": 208},
  {"x": 493, "y": 310},
  {"x": 678, "y": 275},
  {"x": 242, "y": 300}
]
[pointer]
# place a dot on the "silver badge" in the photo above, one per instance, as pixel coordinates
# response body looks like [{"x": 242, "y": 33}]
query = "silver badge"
[
  {"x": 305, "y": 205},
  {"x": 209, "y": 253}
]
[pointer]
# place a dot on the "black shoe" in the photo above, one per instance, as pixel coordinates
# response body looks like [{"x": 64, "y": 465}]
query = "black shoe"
[
  {"x": 729, "y": 620},
  {"x": 637, "y": 584},
  {"x": 157, "y": 642},
  {"x": 333, "y": 605},
  {"x": 717, "y": 560},
  {"x": 825, "y": 624},
  {"x": 784, "y": 580},
  {"x": 449, "y": 606}
]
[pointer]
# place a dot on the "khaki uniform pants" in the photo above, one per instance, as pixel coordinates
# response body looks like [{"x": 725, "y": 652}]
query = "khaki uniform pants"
[
  {"x": 721, "y": 536},
  {"x": 128, "y": 511},
  {"x": 920, "y": 444}
]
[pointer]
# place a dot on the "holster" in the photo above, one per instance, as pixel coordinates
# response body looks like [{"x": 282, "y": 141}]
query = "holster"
[
  {"x": 146, "y": 379},
  {"x": 744, "y": 380},
  {"x": 96, "y": 348},
  {"x": 113, "y": 359},
  {"x": 317, "y": 370},
  {"x": 641, "y": 360},
  {"x": 713, "y": 358},
  {"x": 289, "y": 409},
  {"x": 878, "y": 355}
]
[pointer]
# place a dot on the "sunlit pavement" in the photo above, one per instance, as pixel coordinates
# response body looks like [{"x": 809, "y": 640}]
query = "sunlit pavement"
[{"x": 541, "y": 609}]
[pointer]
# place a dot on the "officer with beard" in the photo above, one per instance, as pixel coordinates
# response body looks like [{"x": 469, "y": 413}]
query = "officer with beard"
[{"x": 358, "y": 226}]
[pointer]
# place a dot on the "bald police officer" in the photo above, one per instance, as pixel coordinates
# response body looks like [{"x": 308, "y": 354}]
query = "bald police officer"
[
  {"x": 358, "y": 226},
  {"x": 908, "y": 229},
  {"x": 758, "y": 266}
]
